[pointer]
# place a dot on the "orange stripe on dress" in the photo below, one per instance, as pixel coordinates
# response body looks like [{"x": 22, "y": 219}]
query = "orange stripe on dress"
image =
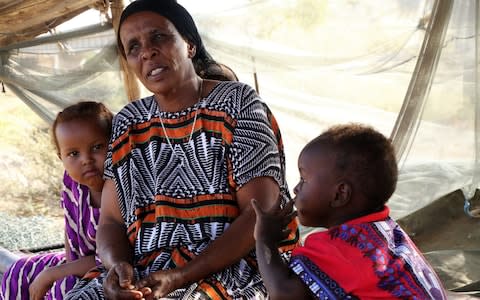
[
  {"x": 173, "y": 209},
  {"x": 123, "y": 151},
  {"x": 196, "y": 199},
  {"x": 147, "y": 130},
  {"x": 292, "y": 240},
  {"x": 92, "y": 274},
  {"x": 203, "y": 207},
  {"x": 197, "y": 212},
  {"x": 144, "y": 214},
  {"x": 231, "y": 181},
  {"x": 178, "y": 256},
  {"x": 214, "y": 290},
  {"x": 148, "y": 259}
]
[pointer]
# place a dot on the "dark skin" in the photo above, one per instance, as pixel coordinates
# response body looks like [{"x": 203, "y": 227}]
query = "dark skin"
[
  {"x": 115, "y": 251},
  {"x": 81, "y": 146},
  {"x": 280, "y": 282},
  {"x": 162, "y": 60},
  {"x": 332, "y": 204}
]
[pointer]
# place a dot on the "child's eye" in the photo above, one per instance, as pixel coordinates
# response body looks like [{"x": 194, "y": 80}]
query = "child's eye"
[
  {"x": 97, "y": 147},
  {"x": 72, "y": 154}
]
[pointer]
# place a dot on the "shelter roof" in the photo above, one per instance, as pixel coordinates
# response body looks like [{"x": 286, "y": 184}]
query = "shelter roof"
[{"x": 23, "y": 20}]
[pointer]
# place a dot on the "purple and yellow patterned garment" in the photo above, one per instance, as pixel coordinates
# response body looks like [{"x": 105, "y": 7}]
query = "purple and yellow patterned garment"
[
  {"x": 370, "y": 257},
  {"x": 81, "y": 220},
  {"x": 172, "y": 210}
]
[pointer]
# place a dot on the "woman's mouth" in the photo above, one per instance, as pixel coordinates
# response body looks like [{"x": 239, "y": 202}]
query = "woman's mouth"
[{"x": 155, "y": 72}]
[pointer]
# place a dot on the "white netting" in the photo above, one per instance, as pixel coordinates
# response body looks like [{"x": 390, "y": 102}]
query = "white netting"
[{"x": 318, "y": 63}]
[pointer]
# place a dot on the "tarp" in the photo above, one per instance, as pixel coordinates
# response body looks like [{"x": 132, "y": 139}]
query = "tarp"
[{"x": 409, "y": 68}]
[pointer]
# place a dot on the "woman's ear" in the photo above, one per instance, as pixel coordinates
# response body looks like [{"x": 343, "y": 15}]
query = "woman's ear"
[
  {"x": 192, "y": 50},
  {"x": 343, "y": 194}
]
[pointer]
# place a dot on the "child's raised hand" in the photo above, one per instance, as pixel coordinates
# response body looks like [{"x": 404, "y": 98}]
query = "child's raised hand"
[{"x": 271, "y": 225}]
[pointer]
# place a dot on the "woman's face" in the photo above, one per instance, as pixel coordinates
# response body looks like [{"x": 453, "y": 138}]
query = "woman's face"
[{"x": 155, "y": 51}]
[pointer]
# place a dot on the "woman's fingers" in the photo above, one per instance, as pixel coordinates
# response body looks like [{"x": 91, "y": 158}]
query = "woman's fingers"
[
  {"x": 125, "y": 275},
  {"x": 118, "y": 284}
]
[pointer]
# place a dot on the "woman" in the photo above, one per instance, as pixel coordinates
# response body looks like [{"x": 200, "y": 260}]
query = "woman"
[{"x": 183, "y": 164}]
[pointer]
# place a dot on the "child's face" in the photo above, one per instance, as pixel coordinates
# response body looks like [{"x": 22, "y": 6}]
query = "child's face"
[
  {"x": 83, "y": 147},
  {"x": 317, "y": 187}
]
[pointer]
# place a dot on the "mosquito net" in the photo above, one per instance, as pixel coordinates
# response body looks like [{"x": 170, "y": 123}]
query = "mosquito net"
[{"x": 407, "y": 67}]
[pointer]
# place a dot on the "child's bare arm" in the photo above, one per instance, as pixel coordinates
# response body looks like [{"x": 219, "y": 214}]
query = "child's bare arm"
[
  {"x": 280, "y": 282},
  {"x": 44, "y": 281}
]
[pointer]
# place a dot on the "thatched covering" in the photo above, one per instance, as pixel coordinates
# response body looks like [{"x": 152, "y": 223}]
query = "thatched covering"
[{"x": 22, "y": 20}]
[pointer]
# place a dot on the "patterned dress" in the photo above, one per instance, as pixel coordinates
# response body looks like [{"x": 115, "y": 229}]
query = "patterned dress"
[
  {"x": 81, "y": 221},
  {"x": 176, "y": 195},
  {"x": 367, "y": 258}
]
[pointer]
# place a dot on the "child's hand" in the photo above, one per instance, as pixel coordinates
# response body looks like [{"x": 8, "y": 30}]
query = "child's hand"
[
  {"x": 271, "y": 225},
  {"x": 41, "y": 284}
]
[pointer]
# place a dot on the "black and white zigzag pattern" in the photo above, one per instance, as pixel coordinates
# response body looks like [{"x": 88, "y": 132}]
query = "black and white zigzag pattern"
[{"x": 151, "y": 170}]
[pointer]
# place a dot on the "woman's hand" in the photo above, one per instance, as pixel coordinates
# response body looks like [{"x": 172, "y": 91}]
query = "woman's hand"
[
  {"x": 119, "y": 283},
  {"x": 161, "y": 283},
  {"x": 270, "y": 225},
  {"x": 41, "y": 284}
]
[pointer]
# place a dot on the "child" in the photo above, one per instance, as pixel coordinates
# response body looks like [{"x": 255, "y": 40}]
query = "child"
[
  {"x": 347, "y": 174},
  {"x": 80, "y": 133}
]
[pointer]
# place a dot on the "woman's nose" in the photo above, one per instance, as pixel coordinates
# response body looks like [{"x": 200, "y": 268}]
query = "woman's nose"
[{"x": 149, "y": 52}]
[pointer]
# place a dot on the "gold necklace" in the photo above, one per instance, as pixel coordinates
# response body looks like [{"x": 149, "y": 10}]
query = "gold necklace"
[{"x": 183, "y": 156}]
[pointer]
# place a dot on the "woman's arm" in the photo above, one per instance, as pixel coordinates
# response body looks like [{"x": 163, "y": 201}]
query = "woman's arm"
[
  {"x": 112, "y": 243},
  {"x": 235, "y": 243},
  {"x": 114, "y": 249}
]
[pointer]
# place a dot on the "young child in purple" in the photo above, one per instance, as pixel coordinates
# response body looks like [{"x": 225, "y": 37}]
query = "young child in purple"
[{"x": 80, "y": 133}]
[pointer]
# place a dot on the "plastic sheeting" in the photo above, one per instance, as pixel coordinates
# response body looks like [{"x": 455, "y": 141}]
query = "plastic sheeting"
[
  {"x": 317, "y": 63},
  {"x": 356, "y": 63}
]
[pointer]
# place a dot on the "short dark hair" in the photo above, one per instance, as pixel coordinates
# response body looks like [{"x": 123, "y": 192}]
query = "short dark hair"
[
  {"x": 365, "y": 156},
  {"x": 180, "y": 18},
  {"x": 84, "y": 110}
]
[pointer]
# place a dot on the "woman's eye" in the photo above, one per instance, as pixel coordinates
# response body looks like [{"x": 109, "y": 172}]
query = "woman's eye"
[
  {"x": 158, "y": 38},
  {"x": 133, "y": 49}
]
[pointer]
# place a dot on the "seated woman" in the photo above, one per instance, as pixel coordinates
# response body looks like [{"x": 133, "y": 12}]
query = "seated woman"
[
  {"x": 347, "y": 174},
  {"x": 176, "y": 219}
]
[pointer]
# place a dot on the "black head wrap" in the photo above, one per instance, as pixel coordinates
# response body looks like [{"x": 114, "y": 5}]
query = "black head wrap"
[{"x": 180, "y": 18}]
